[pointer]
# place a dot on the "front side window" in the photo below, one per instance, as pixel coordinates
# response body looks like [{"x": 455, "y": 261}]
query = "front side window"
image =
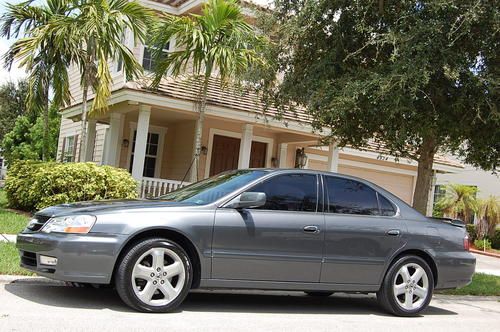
[
  {"x": 69, "y": 149},
  {"x": 289, "y": 192},
  {"x": 151, "y": 154},
  {"x": 351, "y": 197}
]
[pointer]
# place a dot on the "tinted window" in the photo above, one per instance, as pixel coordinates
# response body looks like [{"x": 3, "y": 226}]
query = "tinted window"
[
  {"x": 386, "y": 208},
  {"x": 289, "y": 192},
  {"x": 351, "y": 197}
]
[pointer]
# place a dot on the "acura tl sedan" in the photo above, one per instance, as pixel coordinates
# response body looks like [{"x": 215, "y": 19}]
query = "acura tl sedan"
[{"x": 293, "y": 230}]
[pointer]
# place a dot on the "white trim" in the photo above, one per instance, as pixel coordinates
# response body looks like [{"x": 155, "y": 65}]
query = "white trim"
[
  {"x": 161, "y": 131},
  {"x": 227, "y": 133},
  {"x": 360, "y": 164}
]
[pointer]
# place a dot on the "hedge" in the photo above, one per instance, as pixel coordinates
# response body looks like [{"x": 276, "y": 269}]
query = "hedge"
[{"x": 32, "y": 185}]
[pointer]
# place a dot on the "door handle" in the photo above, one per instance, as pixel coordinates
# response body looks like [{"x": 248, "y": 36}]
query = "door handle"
[
  {"x": 311, "y": 229},
  {"x": 393, "y": 232}
]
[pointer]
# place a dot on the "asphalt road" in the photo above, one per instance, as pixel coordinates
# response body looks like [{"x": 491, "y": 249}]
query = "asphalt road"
[
  {"x": 38, "y": 305},
  {"x": 487, "y": 264}
]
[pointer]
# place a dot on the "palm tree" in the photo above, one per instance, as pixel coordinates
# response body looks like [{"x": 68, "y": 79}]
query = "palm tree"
[
  {"x": 43, "y": 53},
  {"x": 489, "y": 215},
  {"x": 102, "y": 25},
  {"x": 459, "y": 202},
  {"x": 219, "y": 43},
  {"x": 85, "y": 33}
]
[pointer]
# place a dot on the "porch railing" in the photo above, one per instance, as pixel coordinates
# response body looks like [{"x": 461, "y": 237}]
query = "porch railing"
[{"x": 153, "y": 187}]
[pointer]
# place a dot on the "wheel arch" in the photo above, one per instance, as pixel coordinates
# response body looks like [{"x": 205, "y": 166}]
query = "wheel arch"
[
  {"x": 419, "y": 253},
  {"x": 173, "y": 235}
]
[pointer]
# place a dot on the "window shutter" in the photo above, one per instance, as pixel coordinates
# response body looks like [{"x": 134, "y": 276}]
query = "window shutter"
[
  {"x": 62, "y": 150},
  {"x": 75, "y": 143}
]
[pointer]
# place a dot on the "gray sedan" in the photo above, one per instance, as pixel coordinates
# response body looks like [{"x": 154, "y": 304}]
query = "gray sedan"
[{"x": 298, "y": 230}]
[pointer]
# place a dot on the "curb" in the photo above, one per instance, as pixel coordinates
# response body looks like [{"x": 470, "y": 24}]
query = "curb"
[{"x": 485, "y": 253}]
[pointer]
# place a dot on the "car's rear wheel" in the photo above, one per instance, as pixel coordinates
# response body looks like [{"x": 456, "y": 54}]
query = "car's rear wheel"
[
  {"x": 154, "y": 276},
  {"x": 407, "y": 287},
  {"x": 319, "y": 293}
]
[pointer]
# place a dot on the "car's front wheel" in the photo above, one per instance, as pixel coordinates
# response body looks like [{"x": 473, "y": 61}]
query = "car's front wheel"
[
  {"x": 154, "y": 276},
  {"x": 407, "y": 287}
]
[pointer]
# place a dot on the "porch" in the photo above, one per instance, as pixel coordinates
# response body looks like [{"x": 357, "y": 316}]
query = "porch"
[{"x": 156, "y": 145}]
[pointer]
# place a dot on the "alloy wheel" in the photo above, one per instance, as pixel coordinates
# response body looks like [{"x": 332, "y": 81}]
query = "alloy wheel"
[
  {"x": 158, "y": 276},
  {"x": 411, "y": 286}
]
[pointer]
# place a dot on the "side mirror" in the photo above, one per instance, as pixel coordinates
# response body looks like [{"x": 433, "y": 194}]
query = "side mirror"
[{"x": 248, "y": 200}]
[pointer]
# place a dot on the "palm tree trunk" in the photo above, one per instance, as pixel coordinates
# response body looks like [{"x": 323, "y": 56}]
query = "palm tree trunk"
[
  {"x": 201, "y": 106},
  {"x": 83, "y": 136},
  {"x": 45, "y": 143},
  {"x": 424, "y": 174}
]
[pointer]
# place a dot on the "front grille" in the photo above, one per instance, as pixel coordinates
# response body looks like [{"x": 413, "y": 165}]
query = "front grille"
[
  {"x": 28, "y": 258},
  {"x": 37, "y": 223}
]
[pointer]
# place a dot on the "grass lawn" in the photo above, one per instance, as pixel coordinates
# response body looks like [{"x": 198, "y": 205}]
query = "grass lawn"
[
  {"x": 10, "y": 222},
  {"x": 9, "y": 260},
  {"x": 482, "y": 284}
]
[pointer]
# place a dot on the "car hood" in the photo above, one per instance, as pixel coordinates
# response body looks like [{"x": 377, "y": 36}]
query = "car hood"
[{"x": 107, "y": 206}]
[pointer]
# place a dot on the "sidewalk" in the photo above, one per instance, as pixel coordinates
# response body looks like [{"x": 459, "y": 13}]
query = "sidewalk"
[{"x": 8, "y": 238}]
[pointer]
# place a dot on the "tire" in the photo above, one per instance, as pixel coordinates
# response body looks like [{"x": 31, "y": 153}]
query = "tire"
[
  {"x": 141, "y": 276},
  {"x": 319, "y": 293},
  {"x": 415, "y": 292}
]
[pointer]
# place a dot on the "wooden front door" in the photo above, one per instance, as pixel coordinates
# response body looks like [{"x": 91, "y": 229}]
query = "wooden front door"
[
  {"x": 225, "y": 154},
  {"x": 258, "y": 155}
]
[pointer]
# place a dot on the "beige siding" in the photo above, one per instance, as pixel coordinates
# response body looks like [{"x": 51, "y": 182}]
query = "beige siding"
[
  {"x": 70, "y": 128},
  {"x": 178, "y": 150}
]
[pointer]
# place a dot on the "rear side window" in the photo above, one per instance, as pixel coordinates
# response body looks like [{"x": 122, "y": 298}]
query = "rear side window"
[
  {"x": 289, "y": 192},
  {"x": 386, "y": 208},
  {"x": 351, "y": 197}
]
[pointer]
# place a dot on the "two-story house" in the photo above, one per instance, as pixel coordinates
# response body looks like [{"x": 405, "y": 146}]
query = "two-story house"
[{"x": 151, "y": 133}]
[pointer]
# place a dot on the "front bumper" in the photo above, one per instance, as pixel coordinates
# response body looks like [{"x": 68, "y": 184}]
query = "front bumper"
[{"x": 86, "y": 258}]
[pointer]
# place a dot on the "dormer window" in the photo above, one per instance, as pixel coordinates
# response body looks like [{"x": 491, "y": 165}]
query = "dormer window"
[{"x": 148, "y": 62}]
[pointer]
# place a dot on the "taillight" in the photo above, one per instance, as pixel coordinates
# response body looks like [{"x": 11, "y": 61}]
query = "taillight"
[{"x": 466, "y": 242}]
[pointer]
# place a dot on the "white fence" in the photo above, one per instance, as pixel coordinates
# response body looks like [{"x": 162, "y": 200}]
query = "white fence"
[{"x": 152, "y": 187}]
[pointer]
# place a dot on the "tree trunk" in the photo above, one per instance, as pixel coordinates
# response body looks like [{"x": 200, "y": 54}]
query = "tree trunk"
[
  {"x": 424, "y": 174},
  {"x": 202, "y": 103},
  {"x": 83, "y": 136},
  {"x": 45, "y": 143}
]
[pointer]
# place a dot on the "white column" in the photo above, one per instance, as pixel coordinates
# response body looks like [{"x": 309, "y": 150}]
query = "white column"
[
  {"x": 432, "y": 189},
  {"x": 90, "y": 144},
  {"x": 333, "y": 158},
  {"x": 141, "y": 141},
  {"x": 245, "y": 146},
  {"x": 113, "y": 144},
  {"x": 283, "y": 150}
]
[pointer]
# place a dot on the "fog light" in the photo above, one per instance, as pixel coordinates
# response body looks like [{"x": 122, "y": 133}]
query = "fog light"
[{"x": 47, "y": 260}]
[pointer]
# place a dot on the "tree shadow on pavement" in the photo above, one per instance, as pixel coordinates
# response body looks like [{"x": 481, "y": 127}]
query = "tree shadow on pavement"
[{"x": 54, "y": 294}]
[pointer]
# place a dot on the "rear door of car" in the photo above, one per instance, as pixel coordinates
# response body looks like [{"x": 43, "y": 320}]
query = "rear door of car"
[
  {"x": 281, "y": 241},
  {"x": 362, "y": 232}
]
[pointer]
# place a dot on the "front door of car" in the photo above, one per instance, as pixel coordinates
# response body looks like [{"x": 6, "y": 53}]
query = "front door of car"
[
  {"x": 362, "y": 232},
  {"x": 280, "y": 241}
]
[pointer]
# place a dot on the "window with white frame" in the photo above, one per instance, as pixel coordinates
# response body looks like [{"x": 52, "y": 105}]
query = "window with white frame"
[
  {"x": 69, "y": 149},
  {"x": 148, "y": 61},
  {"x": 152, "y": 150}
]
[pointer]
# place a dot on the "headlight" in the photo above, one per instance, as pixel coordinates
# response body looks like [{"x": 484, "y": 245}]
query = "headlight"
[{"x": 80, "y": 224}]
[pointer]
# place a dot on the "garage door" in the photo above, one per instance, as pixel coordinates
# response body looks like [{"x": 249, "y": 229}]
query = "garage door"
[{"x": 399, "y": 184}]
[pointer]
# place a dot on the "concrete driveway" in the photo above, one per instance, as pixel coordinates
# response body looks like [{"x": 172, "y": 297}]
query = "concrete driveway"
[
  {"x": 487, "y": 264},
  {"x": 41, "y": 305}
]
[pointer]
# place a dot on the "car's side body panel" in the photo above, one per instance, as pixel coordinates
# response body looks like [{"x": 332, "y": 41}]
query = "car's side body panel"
[{"x": 267, "y": 245}]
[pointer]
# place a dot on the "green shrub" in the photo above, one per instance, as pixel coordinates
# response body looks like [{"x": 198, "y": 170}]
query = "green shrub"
[
  {"x": 34, "y": 185},
  {"x": 495, "y": 240},
  {"x": 471, "y": 229},
  {"x": 480, "y": 244}
]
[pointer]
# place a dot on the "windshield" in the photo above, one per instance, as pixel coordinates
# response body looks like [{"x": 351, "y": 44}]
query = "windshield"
[{"x": 211, "y": 189}]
